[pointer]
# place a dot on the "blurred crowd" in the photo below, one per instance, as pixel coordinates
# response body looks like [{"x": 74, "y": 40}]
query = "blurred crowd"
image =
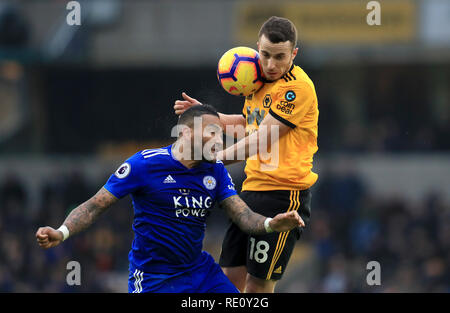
[
  {"x": 349, "y": 228},
  {"x": 387, "y": 108},
  {"x": 102, "y": 251},
  {"x": 364, "y": 108}
]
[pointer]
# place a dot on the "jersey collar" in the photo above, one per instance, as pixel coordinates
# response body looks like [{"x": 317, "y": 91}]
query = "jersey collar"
[{"x": 284, "y": 76}]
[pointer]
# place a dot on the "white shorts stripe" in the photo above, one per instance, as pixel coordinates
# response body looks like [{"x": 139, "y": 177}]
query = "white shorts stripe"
[
  {"x": 135, "y": 281},
  {"x": 138, "y": 278},
  {"x": 140, "y": 281}
]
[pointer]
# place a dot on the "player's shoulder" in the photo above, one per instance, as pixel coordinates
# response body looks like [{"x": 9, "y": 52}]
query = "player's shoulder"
[
  {"x": 295, "y": 79},
  {"x": 155, "y": 155},
  {"x": 139, "y": 163},
  {"x": 151, "y": 153},
  {"x": 218, "y": 166},
  {"x": 147, "y": 156}
]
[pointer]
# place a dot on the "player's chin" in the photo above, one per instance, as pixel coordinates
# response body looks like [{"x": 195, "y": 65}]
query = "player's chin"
[
  {"x": 273, "y": 76},
  {"x": 210, "y": 158}
]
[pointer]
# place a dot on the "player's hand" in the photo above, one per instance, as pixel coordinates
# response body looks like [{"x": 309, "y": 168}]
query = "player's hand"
[
  {"x": 286, "y": 221},
  {"x": 48, "y": 237},
  {"x": 182, "y": 105}
]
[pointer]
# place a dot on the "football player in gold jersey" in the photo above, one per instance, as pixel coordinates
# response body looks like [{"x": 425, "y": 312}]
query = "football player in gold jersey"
[{"x": 286, "y": 106}]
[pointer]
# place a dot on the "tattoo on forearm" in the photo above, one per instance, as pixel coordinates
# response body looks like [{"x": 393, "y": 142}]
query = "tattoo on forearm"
[
  {"x": 247, "y": 220},
  {"x": 85, "y": 214}
]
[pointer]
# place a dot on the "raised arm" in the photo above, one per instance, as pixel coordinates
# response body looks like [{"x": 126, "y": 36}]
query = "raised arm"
[
  {"x": 253, "y": 223},
  {"x": 78, "y": 220}
]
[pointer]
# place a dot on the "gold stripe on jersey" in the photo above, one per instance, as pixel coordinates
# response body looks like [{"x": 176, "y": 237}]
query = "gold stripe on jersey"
[
  {"x": 292, "y": 74},
  {"x": 289, "y": 76},
  {"x": 294, "y": 205}
]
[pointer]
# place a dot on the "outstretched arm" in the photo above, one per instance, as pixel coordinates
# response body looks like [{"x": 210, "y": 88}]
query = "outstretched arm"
[
  {"x": 78, "y": 220},
  {"x": 253, "y": 223},
  {"x": 85, "y": 214}
]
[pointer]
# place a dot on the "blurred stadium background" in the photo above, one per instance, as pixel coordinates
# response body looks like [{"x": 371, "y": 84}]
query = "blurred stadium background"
[{"x": 77, "y": 100}]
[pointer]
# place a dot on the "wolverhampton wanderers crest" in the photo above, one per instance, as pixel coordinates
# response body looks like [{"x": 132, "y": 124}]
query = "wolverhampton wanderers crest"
[{"x": 267, "y": 101}]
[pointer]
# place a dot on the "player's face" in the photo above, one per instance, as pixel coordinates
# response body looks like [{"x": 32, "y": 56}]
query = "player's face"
[
  {"x": 212, "y": 138},
  {"x": 276, "y": 58}
]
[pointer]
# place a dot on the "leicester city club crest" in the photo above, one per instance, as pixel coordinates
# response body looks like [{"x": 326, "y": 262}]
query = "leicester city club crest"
[{"x": 209, "y": 182}]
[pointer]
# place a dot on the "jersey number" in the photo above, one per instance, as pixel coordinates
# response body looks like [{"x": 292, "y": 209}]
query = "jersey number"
[{"x": 260, "y": 254}]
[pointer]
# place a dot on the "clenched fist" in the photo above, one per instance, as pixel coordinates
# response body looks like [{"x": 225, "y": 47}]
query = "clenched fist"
[
  {"x": 286, "y": 221},
  {"x": 48, "y": 237}
]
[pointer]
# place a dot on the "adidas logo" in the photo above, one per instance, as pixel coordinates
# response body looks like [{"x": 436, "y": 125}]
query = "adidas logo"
[
  {"x": 169, "y": 180},
  {"x": 278, "y": 270}
]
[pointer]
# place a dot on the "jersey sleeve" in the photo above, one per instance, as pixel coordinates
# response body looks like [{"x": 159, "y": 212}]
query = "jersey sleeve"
[
  {"x": 225, "y": 186},
  {"x": 292, "y": 103},
  {"x": 126, "y": 179}
]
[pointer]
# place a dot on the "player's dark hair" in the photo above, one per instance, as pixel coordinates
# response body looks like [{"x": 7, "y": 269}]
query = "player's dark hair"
[
  {"x": 279, "y": 29},
  {"x": 187, "y": 118}
]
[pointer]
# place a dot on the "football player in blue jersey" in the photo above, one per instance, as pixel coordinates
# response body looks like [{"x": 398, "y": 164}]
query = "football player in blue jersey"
[{"x": 173, "y": 189}]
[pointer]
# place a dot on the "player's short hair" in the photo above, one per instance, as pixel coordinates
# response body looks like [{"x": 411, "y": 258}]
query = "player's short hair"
[
  {"x": 279, "y": 29},
  {"x": 187, "y": 117}
]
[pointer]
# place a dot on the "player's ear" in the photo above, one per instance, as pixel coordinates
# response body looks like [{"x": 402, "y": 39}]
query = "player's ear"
[
  {"x": 183, "y": 131},
  {"x": 187, "y": 132},
  {"x": 294, "y": 53}
]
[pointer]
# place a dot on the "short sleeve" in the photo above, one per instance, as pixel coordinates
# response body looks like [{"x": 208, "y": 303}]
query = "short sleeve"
[
  {"x": 226, "y": 186},
  {"x": 126, "y": 179},
  {"x": 292, "y": 103}
]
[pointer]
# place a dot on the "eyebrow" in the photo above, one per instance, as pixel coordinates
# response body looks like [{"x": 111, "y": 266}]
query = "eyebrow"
[
  {"x": 214, "y": 126},
  {"x": 279, "y": 54}
]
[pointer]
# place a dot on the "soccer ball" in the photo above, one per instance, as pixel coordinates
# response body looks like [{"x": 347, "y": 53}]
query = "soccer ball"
[{"x": 239, "y": 71}]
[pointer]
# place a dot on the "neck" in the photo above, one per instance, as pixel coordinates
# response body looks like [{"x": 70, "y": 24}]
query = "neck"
[
  {"x": 187, "y": 161},
  {"x": 289, "y": 67}
]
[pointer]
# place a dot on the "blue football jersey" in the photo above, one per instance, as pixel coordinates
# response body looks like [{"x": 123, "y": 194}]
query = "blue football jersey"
[{"x": 171, "y": 203}]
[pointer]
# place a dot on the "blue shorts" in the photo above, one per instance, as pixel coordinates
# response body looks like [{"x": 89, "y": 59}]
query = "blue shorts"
[{"x": 206, "y": 277}]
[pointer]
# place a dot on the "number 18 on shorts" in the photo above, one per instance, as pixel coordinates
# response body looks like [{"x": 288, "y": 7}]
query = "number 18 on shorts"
[
  {"x": 268, "y": 255},
  {"x": 265, "y": 256}
]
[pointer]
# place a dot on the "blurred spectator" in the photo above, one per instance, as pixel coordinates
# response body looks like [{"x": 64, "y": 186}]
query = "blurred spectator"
[
  {"x": 14, "y": 30},
  {"x": 336, "y": 278},
  {"x": 411, "y": 242}
]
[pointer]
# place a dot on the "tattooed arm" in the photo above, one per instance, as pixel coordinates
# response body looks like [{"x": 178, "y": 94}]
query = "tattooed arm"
[
  {"x": 85, "y": 214},
  {"x": 253, "y": 223},
  {"x": 78, "y": 220},
  {"x": 247, "y": 220}
]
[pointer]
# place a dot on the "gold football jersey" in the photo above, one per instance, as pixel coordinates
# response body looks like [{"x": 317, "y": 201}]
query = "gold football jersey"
[{"x": 292, "y": 100}]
